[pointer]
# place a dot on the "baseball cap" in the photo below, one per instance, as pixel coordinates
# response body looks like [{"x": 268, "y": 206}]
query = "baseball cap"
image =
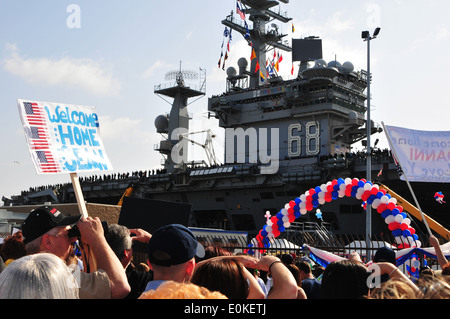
[
  {"x": 42, "y": 219},
  {"x": 173, "y": 244},
  {"x": 385, "y": 254}
]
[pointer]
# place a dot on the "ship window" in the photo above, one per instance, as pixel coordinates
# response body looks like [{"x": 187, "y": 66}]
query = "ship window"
[{"x": 243, "y": 221}]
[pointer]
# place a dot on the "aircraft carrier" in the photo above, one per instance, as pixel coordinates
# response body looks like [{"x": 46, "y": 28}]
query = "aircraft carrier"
[{"x": 282, "y": 137}]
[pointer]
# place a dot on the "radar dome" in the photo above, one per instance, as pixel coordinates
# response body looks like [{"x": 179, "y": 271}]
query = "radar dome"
[
  {"x": 242, "y": 63},
  {"x": 231, "y": 72},
  {"x": 320, "y": 63},
  {"x": 161, "y": 124},
  {"x": 334, "y": 64},
  {"x": 347, "y": 67}
]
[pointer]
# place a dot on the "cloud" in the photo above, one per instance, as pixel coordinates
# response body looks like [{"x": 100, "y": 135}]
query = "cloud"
[
  {"x": 84, "y": 74},
  {"x": 153, "y": 69}
]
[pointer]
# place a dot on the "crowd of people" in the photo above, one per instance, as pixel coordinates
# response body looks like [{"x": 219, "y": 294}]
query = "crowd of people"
[{"x": 73, "y": 257}]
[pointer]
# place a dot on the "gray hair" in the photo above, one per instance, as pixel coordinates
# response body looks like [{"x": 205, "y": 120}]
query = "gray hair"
[
  {"x": 38, "y": 276},
  {"x": 118, "y": 238}
]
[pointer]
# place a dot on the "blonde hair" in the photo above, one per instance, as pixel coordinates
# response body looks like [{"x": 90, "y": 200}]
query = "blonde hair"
[
  {"x": 394, "y": 289},
  {"x": 175, "y": 290}
]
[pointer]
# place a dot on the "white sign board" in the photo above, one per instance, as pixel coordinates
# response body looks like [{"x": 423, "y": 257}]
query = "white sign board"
[
  {"x": 424, "y": 156},
  {"x": 63, "y": 138}
]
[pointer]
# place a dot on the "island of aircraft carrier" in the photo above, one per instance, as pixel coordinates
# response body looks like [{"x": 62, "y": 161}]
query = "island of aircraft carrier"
[{"x": 282, "y": 137}]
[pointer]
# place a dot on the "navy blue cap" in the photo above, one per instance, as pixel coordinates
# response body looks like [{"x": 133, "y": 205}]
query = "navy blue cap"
[{"x": 173, "y": 244}]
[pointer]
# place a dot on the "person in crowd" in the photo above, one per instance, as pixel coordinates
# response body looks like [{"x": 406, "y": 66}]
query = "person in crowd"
[
  {"x": 394, "y": 289},
  {"x": 38, "y": 276},
  {"x": 176, "y": 290},
  {"x": 13, "y": 248},
  {"x": 345, "y": 279},
  {"x": 46, "y": 229},
  {"x": 284, "y": 285},
  {"x": 296, "y": 273},
  {"x": 228, "y": 276},
  {"x": 385, "y": 254},
  {"x": 120, "y": 240},
  {"x": 171, "y": 254},
  {"x": 309, "y": 284}
]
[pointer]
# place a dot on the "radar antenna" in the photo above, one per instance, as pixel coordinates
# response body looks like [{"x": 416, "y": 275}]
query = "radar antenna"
[{"x": 180, "y": 75}]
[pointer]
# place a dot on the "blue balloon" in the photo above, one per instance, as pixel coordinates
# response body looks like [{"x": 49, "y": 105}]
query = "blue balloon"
[
  {"x": 279, "y": 215},
  {"x": 397, "y": 232},
  {"x": 281, "y": 229},
  {"x": 264, "y": 233},
  {"x": 334, "y": 194},
  {"x": 395, "y": 211},
  {"x": 298, "y": 200},
  {"x": 315, "y": 196},
  {"x": 318, "y": 189},
  {"x": 280, "y": 224},
  {"x": 379, "y": 195},
  {"x": 315, "y": 203},
  {"x": 360, "y": 184},
  {"x": 340, "y": 181},
  {"x": 406, "y": 233},
  {"x": 386, "y": 213},
  {"x": 371, "y": 199}
]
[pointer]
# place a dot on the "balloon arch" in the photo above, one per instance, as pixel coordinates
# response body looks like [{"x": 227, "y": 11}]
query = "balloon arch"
[{"x": 371, "y": 194}]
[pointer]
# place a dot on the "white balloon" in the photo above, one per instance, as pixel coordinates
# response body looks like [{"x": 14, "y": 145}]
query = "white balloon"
[
  {"x": 348, "y": 181},
  {"x": 389, "y": 219},
  {"x": 406, "y": 221},
  {"x": 284, "y": 211},
  {"x": 367, "y": 187},
  {"x": 398, "y": 218},
  {"x": 303, "y": 211},
  {"x": 303, "y": 197},
  {"x": 384, "y": 199},
  {"x": 393, "y": 200},
  {"x": 269, "y": 229},
  {"x": 322, "y": 201},
  {"x": 287, "y": 224},
  {"x": 376, "y": 202}
]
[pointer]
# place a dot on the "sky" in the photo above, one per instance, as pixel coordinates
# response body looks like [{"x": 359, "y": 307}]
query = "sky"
[{"x": 111, "y": 54}]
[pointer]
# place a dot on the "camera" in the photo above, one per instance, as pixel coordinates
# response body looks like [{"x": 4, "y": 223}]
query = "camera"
[{"x": 75, "y": 232}]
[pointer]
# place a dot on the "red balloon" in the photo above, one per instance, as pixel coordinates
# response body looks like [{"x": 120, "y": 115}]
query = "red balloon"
[
  {"x": 381, "y": 208},
  {"x": 393, "y": 226},
  {"x": 391, "y": 205},
  {"x": 403, "y": 226}
]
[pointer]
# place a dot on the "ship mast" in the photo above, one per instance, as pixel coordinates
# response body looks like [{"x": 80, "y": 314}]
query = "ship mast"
[{"x": 261, "y": 39}]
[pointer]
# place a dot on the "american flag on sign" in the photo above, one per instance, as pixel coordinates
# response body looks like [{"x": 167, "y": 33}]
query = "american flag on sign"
[
  {"x": 33, "y": 114},
  {"x": 47, "y": 163},
  {"x": 38, "y": 137}
]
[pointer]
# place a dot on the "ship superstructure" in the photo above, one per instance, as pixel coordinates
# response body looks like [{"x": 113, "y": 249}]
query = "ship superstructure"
[{"x": 282, "y": 137}]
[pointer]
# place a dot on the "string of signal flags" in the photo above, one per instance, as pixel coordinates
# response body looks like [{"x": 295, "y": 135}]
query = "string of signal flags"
[{"x": 272, "y": 64}]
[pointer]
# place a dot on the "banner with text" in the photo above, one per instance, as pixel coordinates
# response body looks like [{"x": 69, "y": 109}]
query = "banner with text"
[
  {"x": 63, "y": 138},
  {"x": 424, "y": 156}
]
